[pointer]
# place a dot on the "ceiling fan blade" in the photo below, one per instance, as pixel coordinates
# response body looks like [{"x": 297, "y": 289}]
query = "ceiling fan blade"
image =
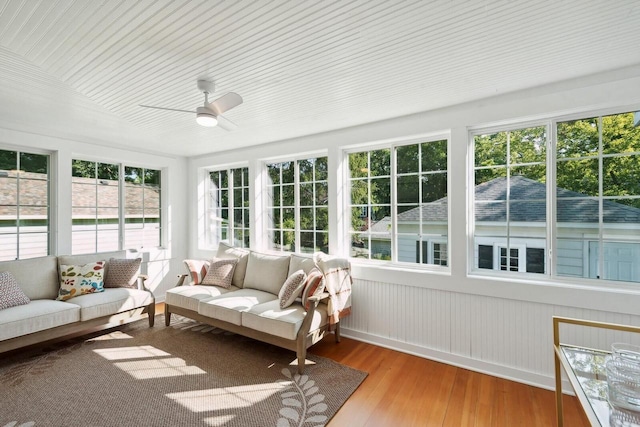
[
  {"x": 225, "y": 103},
  {"x": 226, "y": 124},
  {"x": 168, "y": 109}
]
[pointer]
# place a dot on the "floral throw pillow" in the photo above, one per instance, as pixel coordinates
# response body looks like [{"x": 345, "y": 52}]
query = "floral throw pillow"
[
  {"x": 10, "y": 293},
  {"x": 76, "y": 280}
]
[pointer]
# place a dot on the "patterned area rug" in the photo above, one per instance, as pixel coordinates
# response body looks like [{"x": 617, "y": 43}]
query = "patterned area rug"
[{"x": 188, "y": 374}]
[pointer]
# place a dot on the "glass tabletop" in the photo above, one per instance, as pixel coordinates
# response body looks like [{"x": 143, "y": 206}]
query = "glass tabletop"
[{"x": 588, "y": 366}]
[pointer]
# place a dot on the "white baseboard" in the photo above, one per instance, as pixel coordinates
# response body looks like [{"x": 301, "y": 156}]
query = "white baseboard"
[{"x": 513, "y": 374}]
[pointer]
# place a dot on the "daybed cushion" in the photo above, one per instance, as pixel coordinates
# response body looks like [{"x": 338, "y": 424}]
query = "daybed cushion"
[
  {"x": 303, "y": 263},
  {"x": 37, "y": 277},
  {"x": 36, "y": 316},
  {"x": 270, "y": 318},
  {"x": 226, "y": 251},
  {"x": 229, "y": 307},
  {"x": 189, "y": 296},
  {"x": 266, "y": 272},
  {"x": 111, "y": 301}
]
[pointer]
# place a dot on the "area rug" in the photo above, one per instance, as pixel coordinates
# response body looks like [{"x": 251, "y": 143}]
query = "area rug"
[{"x": 187, "y": 374}]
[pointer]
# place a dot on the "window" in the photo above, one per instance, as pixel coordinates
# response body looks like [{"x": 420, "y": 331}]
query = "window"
[
  {"x": 24, "y": 205},
  {"x": 297, "y": 204},
  {"x": 592, "y": 186},
  {"x": 111, "y": 204},
  {"x": 228, "y": 198},
  {"x": 141, "y": 208},
  {"x": 598, "y": 198},
  {"x": 398, "y": 203},
  {"x": 510, "y": 202}
]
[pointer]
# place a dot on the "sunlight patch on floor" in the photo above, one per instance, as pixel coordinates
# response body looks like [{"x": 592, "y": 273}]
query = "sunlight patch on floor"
[
  {"x": 116, "y": 335},
  {"x": 158, "y": 368},
  {"x": 224, "y": 398},
  {"x": 137, "y": 352},
  {"x": 222, "y": 420}
]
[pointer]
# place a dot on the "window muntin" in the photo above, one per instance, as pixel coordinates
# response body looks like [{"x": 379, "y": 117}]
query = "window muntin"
[
  {"x": 398, "y": 203},
  {"x": 598, "y": 198},
  {"x": 100, "y": 220},
  {"x": 297, "y": 205},
  {"x": 24, "y": 205},
  {"x": 510, "y": 197},
  {"x": 228, "y": 207}
]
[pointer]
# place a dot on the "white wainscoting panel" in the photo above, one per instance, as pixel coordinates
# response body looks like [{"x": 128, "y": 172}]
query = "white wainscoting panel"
[{"x": 502, "y": 337}]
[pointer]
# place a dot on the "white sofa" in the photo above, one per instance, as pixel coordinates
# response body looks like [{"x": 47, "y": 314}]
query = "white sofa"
[
  {"x": 44, "y": 318},
  {"x": 251, "y": 307}
]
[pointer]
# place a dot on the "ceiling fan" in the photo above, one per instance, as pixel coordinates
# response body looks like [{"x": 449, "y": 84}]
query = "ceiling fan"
[{"x": 211, "y": 113}]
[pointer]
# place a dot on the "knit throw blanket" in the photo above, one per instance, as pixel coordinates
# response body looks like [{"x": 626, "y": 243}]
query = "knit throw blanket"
[{"x": 337, "y": 273}]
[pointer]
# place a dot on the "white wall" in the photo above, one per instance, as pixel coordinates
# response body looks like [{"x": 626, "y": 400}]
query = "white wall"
[
  {"x": 498, "y": 326},
  {"x": 163, "y": 265}
]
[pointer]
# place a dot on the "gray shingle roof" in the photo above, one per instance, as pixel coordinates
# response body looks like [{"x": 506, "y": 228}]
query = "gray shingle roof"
[{"x": 527, "y": 204}]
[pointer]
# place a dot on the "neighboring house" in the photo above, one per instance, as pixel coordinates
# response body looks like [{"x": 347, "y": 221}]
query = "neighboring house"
[{"x": 525, "y": 232}]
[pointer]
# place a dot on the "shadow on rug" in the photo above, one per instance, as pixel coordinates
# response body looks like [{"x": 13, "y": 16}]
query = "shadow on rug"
[{"x": 185, "y": 374}]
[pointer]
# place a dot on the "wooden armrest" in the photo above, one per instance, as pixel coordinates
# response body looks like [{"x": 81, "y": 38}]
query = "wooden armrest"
[{"x": 181, "y": 278}]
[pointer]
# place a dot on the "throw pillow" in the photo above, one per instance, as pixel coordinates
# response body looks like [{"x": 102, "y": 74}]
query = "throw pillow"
[
  {"x": 10, "y": 293},
  {"x": 197, "y": 270},
  {"x": 220, "y": 272},
  {"x": 292, "y": 288},
  {"x": 314, "y": 285},
  {"x": 121, "y": 273},
  {"x": 76, "y": 280}
]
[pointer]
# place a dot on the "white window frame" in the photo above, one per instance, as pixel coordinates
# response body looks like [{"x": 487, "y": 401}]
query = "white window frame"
[
  {"x": 210, "y": 219},
  {"x": 346, "y": 230}
]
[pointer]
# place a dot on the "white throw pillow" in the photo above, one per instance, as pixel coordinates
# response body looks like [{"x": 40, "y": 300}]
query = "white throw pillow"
[{"x": 292, "y": 288}]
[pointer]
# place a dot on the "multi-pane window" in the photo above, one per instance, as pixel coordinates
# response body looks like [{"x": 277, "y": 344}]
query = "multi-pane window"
[
  {"x": 95, "y": 207},
  {"x": 114, "y": 207},
  {"x": 228, "y": 207},
  {"x": 142, "y": 208},
  {"x": 598, "y": 197},
  {"x": 510, "y": 203},
  {"x": 24, "y": 205},
  {"x": 594, "y": 191},
  {"x": 398, "y": 203},
  {"x": 298, "y": 205}
]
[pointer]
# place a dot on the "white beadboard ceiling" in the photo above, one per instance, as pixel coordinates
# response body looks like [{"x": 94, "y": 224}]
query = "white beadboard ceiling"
[{"x": 79, "y": 68}]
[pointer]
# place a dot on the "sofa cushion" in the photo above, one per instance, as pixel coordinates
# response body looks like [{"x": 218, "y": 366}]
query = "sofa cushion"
[
  {"x": 189, "y": 296},
  {"x": 197, "y": 269},
  {"x": 229, "y": 307},
  {"x": 37, "y": 277},
  {"x": 226, "y": 251},
  {"x": 303, "y": 263},
  {"x": 10, "y": 293},
  {"x": 220, "y": 272},
  {"x": 36, "y": 316},
  {"x": 270, "y": 318},
  {"x": 76, "y": 280},
  {"x": 111, "y": 301},
  {"x": 122, "y": 273},
  {"x": 292, "y": 288},
  {"x": 266, "y": 272}
]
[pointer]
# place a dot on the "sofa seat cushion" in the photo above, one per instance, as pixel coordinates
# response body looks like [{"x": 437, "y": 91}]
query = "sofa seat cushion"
[
  {"x": 36, "y": 316},
  {"x": 111, "y": 301},
  {"x": 282, "y": 322},
  {"x": 229, "y": 307},
  {"x": 189, "y": 296}
]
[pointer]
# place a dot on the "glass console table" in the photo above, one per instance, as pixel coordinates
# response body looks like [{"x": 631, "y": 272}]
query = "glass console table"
[{"x": 585, "y": 369}]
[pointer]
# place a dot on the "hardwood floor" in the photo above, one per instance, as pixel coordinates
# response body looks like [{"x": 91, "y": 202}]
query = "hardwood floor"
[{"x": 406, "y": 390}]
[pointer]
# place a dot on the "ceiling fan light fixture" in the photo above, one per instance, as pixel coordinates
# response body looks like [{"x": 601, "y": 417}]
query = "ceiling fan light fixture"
[{"x": 205, "y": 117}]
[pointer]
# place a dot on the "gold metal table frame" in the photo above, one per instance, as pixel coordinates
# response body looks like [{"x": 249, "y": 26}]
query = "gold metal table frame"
[{"x": 561, "y": 361}]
